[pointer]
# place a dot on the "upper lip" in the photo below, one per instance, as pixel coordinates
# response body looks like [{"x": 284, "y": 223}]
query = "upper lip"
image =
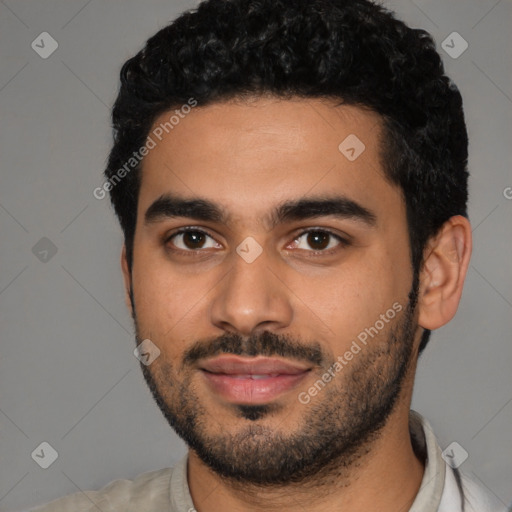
[{"x": 236, "y": 365}]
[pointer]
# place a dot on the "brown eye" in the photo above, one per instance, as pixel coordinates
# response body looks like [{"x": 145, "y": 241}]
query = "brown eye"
[
  {"x": 192, "y": 240},
  {"x": 318, "y": 240}
]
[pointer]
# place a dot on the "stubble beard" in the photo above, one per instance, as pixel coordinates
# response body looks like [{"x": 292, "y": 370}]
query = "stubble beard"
[{"x": 338, "y": 427}]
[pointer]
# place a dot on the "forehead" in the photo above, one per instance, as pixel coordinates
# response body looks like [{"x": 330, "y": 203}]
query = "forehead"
[{"x": 247, "y": 155}]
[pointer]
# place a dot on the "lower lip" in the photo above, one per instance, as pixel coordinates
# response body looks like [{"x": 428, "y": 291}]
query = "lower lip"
[{"x": 252, "y": 391}]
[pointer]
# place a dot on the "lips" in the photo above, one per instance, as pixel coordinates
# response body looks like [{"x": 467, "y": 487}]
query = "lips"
[
  {"x": 254, "y": 380},
  {"x": 235, "y": 365}
]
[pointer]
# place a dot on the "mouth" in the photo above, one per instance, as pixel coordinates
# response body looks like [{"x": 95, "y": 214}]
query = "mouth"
[{"x": 255, "y": 380}]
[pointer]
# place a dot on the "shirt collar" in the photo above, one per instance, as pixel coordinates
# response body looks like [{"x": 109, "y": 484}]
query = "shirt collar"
[{"x": 425, "y": 444}]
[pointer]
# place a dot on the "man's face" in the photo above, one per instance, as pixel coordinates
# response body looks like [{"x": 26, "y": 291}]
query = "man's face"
[{"x": 296, "y": 256}]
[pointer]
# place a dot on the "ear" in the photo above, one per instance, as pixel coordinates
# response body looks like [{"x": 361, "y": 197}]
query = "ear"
[
  {"x": 446, "y": 262},
  {"x": 127, "y": 280}
]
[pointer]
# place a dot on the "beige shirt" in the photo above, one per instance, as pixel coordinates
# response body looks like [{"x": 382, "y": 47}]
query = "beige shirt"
[{"x": 167, "y": 490}]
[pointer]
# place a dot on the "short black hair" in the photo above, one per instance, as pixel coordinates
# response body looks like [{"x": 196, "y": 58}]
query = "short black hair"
[{"x": 353, "y": 51}]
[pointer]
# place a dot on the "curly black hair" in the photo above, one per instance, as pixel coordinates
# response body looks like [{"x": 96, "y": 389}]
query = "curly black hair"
[{"x": 353, "y": 51}]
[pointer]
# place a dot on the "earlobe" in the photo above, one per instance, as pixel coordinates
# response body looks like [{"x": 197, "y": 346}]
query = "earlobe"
[
  {"x": 444, "y": 270},
  {"x": 127, "y": 280}
]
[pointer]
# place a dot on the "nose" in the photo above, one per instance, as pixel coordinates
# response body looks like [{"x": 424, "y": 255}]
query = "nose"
[{"x": 251, "y": 297}]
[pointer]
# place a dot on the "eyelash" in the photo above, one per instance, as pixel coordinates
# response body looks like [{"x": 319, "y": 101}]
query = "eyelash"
[{"x": 343, "y": 242}]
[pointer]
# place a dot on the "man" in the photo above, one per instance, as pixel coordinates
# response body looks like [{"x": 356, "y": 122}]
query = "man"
[{"x": 290, "y": 177}]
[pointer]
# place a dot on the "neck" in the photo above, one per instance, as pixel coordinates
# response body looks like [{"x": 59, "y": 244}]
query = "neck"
[{"x": 385, "y": 474}]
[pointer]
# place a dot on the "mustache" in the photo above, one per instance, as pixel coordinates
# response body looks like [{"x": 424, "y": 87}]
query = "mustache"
[{"x": 265, "y": 343}]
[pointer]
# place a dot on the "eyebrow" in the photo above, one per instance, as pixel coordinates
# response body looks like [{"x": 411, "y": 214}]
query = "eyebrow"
[{"x": 168, "y": 206}]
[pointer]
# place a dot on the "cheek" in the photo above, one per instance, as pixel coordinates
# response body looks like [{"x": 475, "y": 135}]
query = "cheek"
[
  {"x": 169, "y": 303},
  {"x": 352, "y": 297},
  {"x": 340, "y": 305},
  {"x": 155, "y": 291}
]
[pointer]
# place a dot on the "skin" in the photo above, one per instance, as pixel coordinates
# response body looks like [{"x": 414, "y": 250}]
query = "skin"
[{"x": 248, "y": 156}]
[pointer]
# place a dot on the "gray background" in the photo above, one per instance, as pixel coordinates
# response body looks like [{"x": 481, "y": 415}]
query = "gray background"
[{"x": 67, "y": 372}]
